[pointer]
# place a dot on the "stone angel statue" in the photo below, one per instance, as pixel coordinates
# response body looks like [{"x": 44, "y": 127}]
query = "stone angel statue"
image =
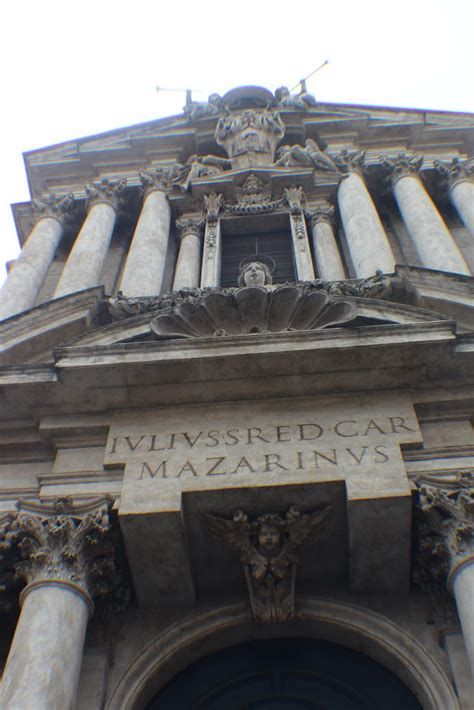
[{"x": 268, "y": 551}]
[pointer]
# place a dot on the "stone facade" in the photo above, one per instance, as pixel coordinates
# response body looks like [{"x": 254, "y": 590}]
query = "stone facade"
[{"x": 185, "y": 465}]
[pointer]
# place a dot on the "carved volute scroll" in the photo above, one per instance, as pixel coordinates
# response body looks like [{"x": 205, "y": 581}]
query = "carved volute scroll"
[
  {"x": 268, "y": 547},
  {"x": 65, "y": 543},
  {"x": 447, "y": 523}
]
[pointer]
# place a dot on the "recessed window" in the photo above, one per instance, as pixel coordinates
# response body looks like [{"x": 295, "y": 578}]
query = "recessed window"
[{"x": 236, "y": 247}]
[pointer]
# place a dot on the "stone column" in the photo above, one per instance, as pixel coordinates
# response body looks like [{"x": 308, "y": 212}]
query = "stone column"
[
  {"x": 66, "y": 559},
  {"x": 86, "y": 260},
  {"x": 188, "y": 266},
  {"x": 459, "y": 176},
  {"x": 212, "y": 252},
  {"x": 326, "y": 252},
  {"x": 431, "y": 237},
  {"x": 26, "y": 277},
  {"x": 447, "y": 543},
  {"x": 145, "y": 265},
  {"x": 368, "y": 244},
  {"x": 302, "y": 253}
]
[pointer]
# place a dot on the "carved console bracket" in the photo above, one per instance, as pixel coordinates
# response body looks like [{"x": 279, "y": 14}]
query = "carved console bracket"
[{"x": 268, "y": 548}]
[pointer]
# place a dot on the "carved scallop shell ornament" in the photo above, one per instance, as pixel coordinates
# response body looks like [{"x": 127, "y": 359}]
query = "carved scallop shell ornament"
[{"x": 252, "y": 310}]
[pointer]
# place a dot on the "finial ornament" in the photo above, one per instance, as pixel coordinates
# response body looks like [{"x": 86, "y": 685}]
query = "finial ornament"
[{"x": 268, "y": 547}]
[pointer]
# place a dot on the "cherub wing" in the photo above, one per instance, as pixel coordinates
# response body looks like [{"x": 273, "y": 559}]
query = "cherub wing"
[
  {"x": 302, "y": 526},
  {"x": 235, "y": 533}
]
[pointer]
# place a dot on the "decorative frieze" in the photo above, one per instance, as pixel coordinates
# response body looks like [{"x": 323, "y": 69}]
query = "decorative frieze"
[{"x": 268, "y": 547}]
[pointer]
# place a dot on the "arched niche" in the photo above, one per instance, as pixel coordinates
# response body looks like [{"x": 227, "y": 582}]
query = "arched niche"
[{"x": 206, "y": 632}]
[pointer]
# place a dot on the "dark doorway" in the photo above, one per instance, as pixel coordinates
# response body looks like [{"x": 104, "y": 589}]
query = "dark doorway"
[{"x": 285, "y": 674}]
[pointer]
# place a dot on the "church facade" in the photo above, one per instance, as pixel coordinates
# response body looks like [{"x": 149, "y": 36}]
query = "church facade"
[{"x": 237, "y": 394}]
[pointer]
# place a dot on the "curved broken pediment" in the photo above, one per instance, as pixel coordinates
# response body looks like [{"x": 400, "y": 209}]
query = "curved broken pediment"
[{"x": 252, "y": 310}]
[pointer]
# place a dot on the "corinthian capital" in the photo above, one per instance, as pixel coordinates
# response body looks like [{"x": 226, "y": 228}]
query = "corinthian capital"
[
  {"x": 322, "y": 213},
  {"x": 446, "y": 530},
  {"x": 65, "y": 543},
  {"x": 455, "y": 171},
  {"x": 190, "y": 225},
  {"x": 109, "y": 191},
  {"x": 350, "y": 161},
  {"x": 53, "y": 206},
  {"x": 152, "y": 180},
  {"x": 401, "y": 165}
]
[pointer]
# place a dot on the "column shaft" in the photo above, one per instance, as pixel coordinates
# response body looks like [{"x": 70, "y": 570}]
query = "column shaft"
[
  {"x": 326, "y": 253},
  {"x": 26, "y": 277},
  {"x": 145, "y": 265},
  {"x": 433, "y": 241},
  {"x": 188, "y": 266},
  {"x": 462, "y": 197},
  {"x": 366, "y": 238},
  {"x": 86, "y": 260},
  {"x": 462, "y": 582},
  {"x": 44, "y": 663}
]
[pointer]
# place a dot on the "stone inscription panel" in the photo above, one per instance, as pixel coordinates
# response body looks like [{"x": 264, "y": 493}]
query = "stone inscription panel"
[{"x": 201, "y": 447}]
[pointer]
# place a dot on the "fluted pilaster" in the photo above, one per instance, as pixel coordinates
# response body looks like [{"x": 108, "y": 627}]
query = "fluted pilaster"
[
  {"x": 295, "y": 199},
  {"x": 212, "y": 252}
]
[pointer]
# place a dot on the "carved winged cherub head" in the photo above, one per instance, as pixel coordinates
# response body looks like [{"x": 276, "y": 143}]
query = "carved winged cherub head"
[{"x": 270, "y": 534}]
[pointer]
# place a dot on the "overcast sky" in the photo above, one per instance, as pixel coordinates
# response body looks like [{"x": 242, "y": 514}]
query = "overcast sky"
[{"x": 75, "y": 69}]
